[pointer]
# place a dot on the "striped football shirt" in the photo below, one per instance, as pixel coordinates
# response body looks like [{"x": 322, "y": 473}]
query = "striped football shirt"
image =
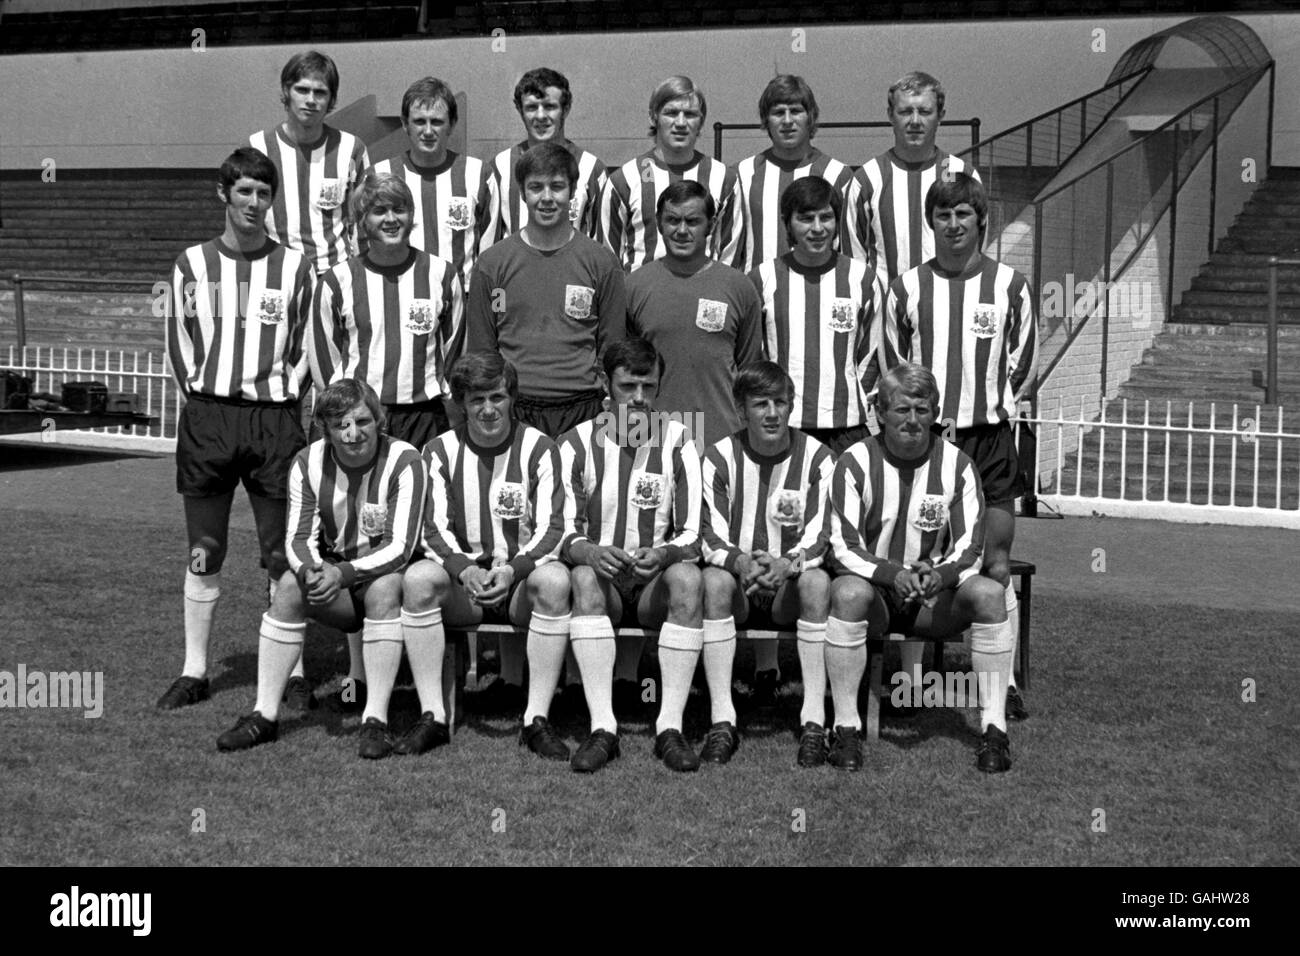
[
  {"x": 884, "y": 212},
  {"x": 309, "y": 212},
  {"x": 643, "y": 497},
  {"x": 975, "y": 332},
  {"x": 398, "y": 327},
  {"x": 627, "y": 221},
  {"x": 763, "y": 179},
  {"x": 235, "y": 322},
  {"x": 512, "y": 211},
  {"x": 821, "y": 325},
  {"x": 887, "y": 513},
  {"x": 776, "y": 503},
  {"x": 455, "y": 206},
  {"x": 369, "y": 521},
  {"x": 489, "y": 506}
]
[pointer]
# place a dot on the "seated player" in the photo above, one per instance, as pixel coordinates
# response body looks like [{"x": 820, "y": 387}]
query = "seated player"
[
  {"x": 318, "y": 164},
  {"x": 543, "y": 101},
  {"x": 819, "y": 311},
  {"x": 787, "y": 112},
  {"x": 355, "y": 499},
  {"x": 492, "y": 527},
  {"x": 394, "y": 317},
  {"x": 907, "y": 527},
  {"x": 241, "y": 373},
  {"x": 632, "y": 485},
  {"x": 983, "y": 362},
  {"x": 702, "y": 316},
  {"x": 454, "y": 218},
  {"x": 763, "y": 555},
  {"x": 628, "y": 202}
]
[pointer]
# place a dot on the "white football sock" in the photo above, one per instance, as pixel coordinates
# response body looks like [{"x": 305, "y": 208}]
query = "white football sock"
[
  {"x": 381, "y": 647},
  {"x": 765, "y": 657},
  {"x": 356, "y": 660},
  {"x": 846, "y": 662},
  {"x": 426, "y": 643},
  {"x": 201, "y": 593},
  {"x": 278, "y": 646},
  {"x": 679, "y": 652},
  {"x": 719, "y": 656},
  {"x": 990, "y": 659},
  {"x": 1013, "y": 618},
  {"x": 548, "y": 638},
  {"x": 592, "y": 639},
  {"x": 627, "y": 662},
  {"x": 812, "y": 660}
]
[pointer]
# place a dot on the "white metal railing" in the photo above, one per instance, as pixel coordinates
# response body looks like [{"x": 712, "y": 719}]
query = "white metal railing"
[
  {"x": 144, "y": 373},
  {"x": 1183, "y": 462}
]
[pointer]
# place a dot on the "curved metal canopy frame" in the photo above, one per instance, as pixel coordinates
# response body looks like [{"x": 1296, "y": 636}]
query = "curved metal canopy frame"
[{"x": 1229, "y": 42}]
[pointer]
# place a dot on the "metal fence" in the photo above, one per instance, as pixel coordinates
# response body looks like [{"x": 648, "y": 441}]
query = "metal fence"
[{"x": 144, "y": 373}]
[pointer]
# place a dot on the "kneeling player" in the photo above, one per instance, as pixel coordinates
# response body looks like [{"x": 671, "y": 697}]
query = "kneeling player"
[
  {"x": 493, "y": 527},
  {"x": 632, "y": 484},
  {"x": 764, "y": 551},
  {"x": 907, "y": 527},
  {"x": 353, "y": 521}
]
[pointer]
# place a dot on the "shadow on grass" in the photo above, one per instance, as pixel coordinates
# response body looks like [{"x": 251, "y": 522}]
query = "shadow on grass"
[{"x": 24, "y": 456}]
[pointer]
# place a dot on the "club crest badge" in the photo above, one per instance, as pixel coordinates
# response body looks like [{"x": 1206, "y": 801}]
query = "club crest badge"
[
  {"x": 458, "y": 213},
  {"x": 787, "y": 508},
  {"x": 647, "y": 489},
  {"x": 844, "y": 316},
  {"x": 931, "y": 513},
  {"x": 577, "y": 301},
  {"x": 270, "y": 307},
  {"x": 711, "y": 315},
  {"x": 574, "y": 210},
  {"x": 330, "y": 195},
  {"x": 984, "y": 321},
  {"x": 508, "y": 500},
  {"x": 373, "y": 517},
  {"x": 419, "y": 317}
]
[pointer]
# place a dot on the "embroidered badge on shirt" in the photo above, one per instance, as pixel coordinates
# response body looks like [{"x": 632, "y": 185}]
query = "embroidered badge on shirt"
[
  {"x": 984, "y": 321},
  {"x": 844, "y": 315},
  {"x": 787, "y": 507},
  {"x": 577, "y": 301},
  {"x": 373, "y": 517},
  {"x": 931, "y": 513},
  {"x": 647, "y": 489},
  {"x": 419, "y": 317},
  {"x": 711, "y": 315},
  {"x": 270, "y": 307},
  {"x": 575, "y": 210},
  {"x": 330, "y": 195},
  {"x": 508, "y": 500},
  {"x": 458, "y": 213}
]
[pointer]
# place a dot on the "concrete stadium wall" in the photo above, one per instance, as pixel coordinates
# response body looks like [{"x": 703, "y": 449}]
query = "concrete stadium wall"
[{"x": 184, "y": 108}]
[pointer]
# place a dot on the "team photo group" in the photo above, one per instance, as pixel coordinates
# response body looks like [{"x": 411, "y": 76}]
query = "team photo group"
[{"x": 674, "y": 396}]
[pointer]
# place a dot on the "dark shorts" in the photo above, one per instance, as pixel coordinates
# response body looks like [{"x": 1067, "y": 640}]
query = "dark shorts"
[
  {"x": 419, "y": 423},
  {"x": 221, "y": 442},
  {"x": 500, "y": 614},
  {"x": 555, "y": 416},
  {"x": 993, "y": 449},
  {"x": 838, "y": 439}
]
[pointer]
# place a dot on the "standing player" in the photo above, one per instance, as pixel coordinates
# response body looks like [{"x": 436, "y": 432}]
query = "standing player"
[
  {"x": 633, "y": 521},
  {"x": 787, "y": 112},
  {"x": 970, "y": 320},
  {"x": 391, "y": 317},
  {"x": 241, "y": 372},
  {"x": 318, "y": 165},
  {"x": 765, "y": 535},
  {"x": 907, "y": 524},
  {"x": 551, "y": 300},
  {"x": 543, "y": 101},
  {"x": 453, "y": 216},
  {"x": 699, "y": 314},
  {"x": 355, "y": 499},
  {"x": 883, "y": 223},
  {"x": 631, "y": 194},
  {"x": 818, "y": 313},
  {"x": 493, "y": 525}
]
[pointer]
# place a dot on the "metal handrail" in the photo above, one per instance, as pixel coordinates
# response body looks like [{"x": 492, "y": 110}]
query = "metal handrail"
[
  {"x": 718, "y": 127},
  {"x": 19, "y": 281},
  {"x": 1270, "y": 382}
]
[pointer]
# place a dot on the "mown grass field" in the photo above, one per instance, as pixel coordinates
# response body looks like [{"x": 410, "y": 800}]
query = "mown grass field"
[{"x": 1136, "y": 698}]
